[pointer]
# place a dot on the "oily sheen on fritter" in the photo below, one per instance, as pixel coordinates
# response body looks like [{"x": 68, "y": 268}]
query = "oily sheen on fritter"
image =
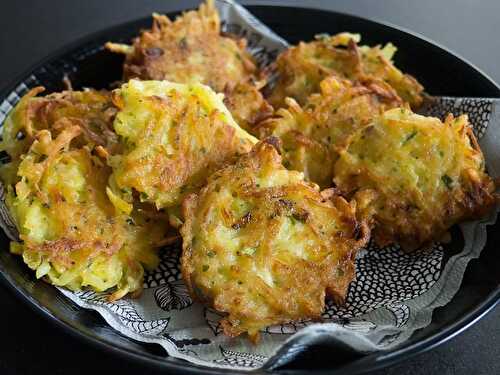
[
  {"x": 193, "y": 49},
  {"x": 247, "y": 105},
  {"x": 70, "y": 232},
  {"x": 91, "y": 110},
  {"x": 301, "y": 68},
  {"x": 174, "y": 136},
  {"x": 312, "y": 135},
  {"x": 426, "y": 175},
  {"x": 56, "y": 180},
  {"x": 265, "y": 247}
]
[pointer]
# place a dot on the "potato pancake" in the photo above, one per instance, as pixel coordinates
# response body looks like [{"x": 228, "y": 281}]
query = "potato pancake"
[
  {"x": 192, "y": 49},
  {"x": 311, "y": 136},
  {"x": 71, "y": 233},
  {"x": 247, "y": 105},
  {"x": 264, "y": 247},
  {"x": 91, "y": 110},
  {"x": 174, "y": 136},
  {"x": 301, "y": 68},
  {"x": 427, "y": 175}
]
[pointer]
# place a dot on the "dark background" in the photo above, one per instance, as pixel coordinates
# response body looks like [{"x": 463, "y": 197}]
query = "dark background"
[{"x": 30, "y": 29}]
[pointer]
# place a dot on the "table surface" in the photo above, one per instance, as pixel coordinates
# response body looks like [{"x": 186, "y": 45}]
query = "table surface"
[{"x": 32, "y": 29}]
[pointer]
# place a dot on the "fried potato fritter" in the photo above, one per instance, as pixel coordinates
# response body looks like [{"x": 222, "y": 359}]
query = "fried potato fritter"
[
  {"x": 301, "y": 68},
  {"x": 426, "y": 175},
  {"x": 71, "y": 233},
  {"x": 174, "y": 136},
  {"x": 264, "y": 247},
  {"x": 91, "y": 110},
  {"x": 247, "y": 104},
  {"x": 188, "y": 50},
  {"x": 312, "y": 135},
  {"x": 192, "y": 49}
]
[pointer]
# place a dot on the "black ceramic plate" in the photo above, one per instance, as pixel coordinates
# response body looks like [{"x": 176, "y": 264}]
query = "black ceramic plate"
[{"x": 441, "y": 72}]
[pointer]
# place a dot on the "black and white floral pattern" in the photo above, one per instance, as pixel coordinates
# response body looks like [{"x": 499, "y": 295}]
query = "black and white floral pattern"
[
  {"x": 173, "y": 296},
  {"x": 240, "y": 359},
  {"x": 388, "y": 276},
  {"x": 168, "y": 270},
  {"x": 125, "y": 311}
]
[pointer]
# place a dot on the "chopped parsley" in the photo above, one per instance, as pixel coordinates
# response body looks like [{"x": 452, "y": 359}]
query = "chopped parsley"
[
  {"x": 447, "y": 180},
  {"x": 249, "y": 251},
  {"x": 410, "y": 137}
]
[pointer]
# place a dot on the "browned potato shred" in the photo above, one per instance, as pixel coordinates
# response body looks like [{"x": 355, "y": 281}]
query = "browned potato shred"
[
  {"x": 174, "y": 137},
  {"x": 71, "y": 233},
  {"x": 427, "y": 175},
  {"x": 192, "y": 49},
  {"x": 265, "y": 247},
  {"x": 301, "y": 68},
  {"x": 313, "y": 134},
  {"x": 91, "y": 110}
]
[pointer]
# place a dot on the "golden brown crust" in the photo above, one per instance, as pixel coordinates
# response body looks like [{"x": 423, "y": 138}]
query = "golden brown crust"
[
  {"x": 313, "y": 134},
  {"x": 91, "y": 110},
  {"x": 73, "y": 234},
  {"x": 175, "y": 136},
  {"x": 189, "y": 49},
  {"x": 193, "y": 49},
  {"x": 424, "y": 175},
  {"x": 247, "y": 105},
  {"x": 265, "y": 247},
  {"x": 301, "y": 68}
]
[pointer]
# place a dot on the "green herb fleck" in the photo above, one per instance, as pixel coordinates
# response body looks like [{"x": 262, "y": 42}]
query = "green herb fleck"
[
  {"x": 447, "y": 180},
  {"x": 249, "y": 251},
  {"x": 126, "y": 191},
  {"x": 211, "y": 254},
  {"x": 410, "y": 137},
  {"x": 205, "y": 267}
]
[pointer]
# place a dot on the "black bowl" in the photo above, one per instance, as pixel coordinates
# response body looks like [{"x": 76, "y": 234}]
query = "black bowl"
[{"x": 440, "y": 71}]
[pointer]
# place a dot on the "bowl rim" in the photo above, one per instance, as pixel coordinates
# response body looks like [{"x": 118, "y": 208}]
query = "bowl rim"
[{"x": 370, "y": 362}]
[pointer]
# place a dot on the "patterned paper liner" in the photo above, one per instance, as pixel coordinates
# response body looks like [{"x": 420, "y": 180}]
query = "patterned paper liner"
[{"x": 394, "y": 292}]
